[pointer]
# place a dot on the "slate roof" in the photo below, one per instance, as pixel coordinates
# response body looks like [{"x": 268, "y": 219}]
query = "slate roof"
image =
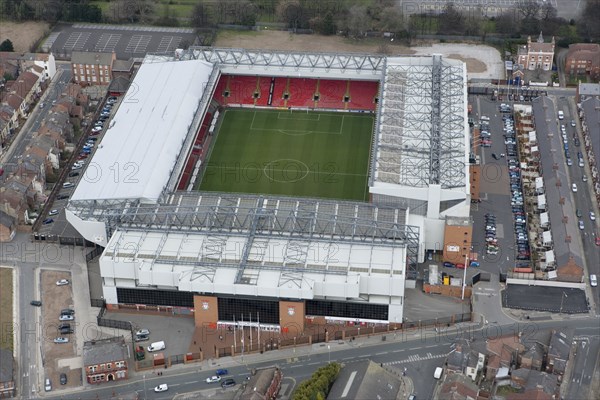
[{"x": 103, "y": 351}]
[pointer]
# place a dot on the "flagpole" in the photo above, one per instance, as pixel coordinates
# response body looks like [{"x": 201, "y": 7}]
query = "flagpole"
[
  {"x": 250, "y": 331},
  {"x": 234, "y": 336},
  {"x": 258, "y": 319}
]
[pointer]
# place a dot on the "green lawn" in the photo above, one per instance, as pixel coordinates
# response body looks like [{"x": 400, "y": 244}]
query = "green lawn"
[
  {"x": 314, "y": 154},
  {"x": 6, "y": 308}
]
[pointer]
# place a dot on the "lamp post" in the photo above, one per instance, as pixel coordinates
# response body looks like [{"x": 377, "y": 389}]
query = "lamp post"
[
  {"x": 145, "y": 396},
  {"x": 464, "y": 283},
  {"x": 329, "y": 352}
]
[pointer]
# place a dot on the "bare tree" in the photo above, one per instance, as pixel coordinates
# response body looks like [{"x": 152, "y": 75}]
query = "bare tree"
[
  {"x": 357, "y": 21},
  {"x": 293, "y": 14},
  {"x": 451, "y": 20}
]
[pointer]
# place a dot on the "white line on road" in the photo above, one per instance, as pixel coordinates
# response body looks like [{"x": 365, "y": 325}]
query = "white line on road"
[
  {"x": 175, "y": 384},
  {"x": 314, "y": 363},
  {"x": 381, "y": 353},
  {"x": 190, "y": 383}
]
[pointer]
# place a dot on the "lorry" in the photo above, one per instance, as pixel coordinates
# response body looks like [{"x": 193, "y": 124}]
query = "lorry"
[{"x": 156, "y": 346}]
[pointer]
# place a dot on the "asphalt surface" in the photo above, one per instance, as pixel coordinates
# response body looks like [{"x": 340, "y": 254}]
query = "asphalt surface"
[
  {"x": 420, "y": 352},
  {"x": 125, "y": 41},
  {"x": 11, "y": 158},
  {"x": 586, "y": 360}
]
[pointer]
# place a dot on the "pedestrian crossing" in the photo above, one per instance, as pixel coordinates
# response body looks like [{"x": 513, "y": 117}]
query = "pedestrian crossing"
[{"x": 416, "y": 358}]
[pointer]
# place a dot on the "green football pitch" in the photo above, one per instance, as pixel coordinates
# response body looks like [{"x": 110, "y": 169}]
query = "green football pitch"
[{"x": 314, "y": 154}]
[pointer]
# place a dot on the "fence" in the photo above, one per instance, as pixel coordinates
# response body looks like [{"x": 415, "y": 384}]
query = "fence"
[{"x": 94, "y": 253}]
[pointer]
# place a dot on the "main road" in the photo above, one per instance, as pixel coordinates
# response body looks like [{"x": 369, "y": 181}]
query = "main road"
[{"x": 420, "y": 352}]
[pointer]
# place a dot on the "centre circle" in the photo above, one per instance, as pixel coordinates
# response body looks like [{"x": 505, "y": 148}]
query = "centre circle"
[{"x": 286, "y": 170}]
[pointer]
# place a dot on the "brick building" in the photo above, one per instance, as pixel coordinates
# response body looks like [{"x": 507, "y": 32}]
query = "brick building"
[
  {"x": 536, "y": 55},
  {"x": 583, "y": 59},
  {"x": 105, "y": 360},
  {"x": 92, "y": 68}
]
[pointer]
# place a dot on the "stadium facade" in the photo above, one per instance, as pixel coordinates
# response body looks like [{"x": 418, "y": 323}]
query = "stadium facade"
[{"x": 289, "y": 258}]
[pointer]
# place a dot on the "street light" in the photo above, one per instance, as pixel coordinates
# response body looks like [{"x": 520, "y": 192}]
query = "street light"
[
  {"x": 329, "y": 352},
  {"x": 145, "y": 396}
]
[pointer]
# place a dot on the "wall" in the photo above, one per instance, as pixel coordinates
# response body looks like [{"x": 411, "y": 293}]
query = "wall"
[
  {"x": 206, "y": 310},
  {"x": 291, "y": 316},
  {"x": 457, "y": 243}
]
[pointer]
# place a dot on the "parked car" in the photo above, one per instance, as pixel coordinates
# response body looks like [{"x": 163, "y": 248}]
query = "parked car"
[
  {"x": 581, "y": 226},
  {"x": 53, "y": 212},
  {"x": 62, "y": 282},
  {"x": 67, "y": 311},
  {"x": 593, "y": 280},
  {"x": 448, "y": 265},
  {"x": 47, "y": 221},
  {"x": 221, "y": 372},
  {"x": 68, "y": 185},
  {"x": 36, "y": 303},
  {"x": 460, "y": 266},
  {"x": 61, "y": 340},
  {"x": 66, "y": 318},
  {"x": 574, "y": 188},
  {"x": 63, "y": 378},
  {"x": 592, "y": 216}
]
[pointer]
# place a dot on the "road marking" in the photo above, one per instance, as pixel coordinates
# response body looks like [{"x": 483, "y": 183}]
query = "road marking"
[
  {"x": 314, "y": 363},
  {"x": 415, "y": 358},
  {"x": 381, "y": 353},
  {"x": 347, "y": 358},
  {"x": 296, "y": 366},
  {"x": 175, "y": 384},
  {"x": 190, "y": 383}
]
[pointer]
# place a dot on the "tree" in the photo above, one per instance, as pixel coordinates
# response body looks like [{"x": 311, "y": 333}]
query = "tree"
[
  {"x": 293, "y": 14},
  {"x": 357, "y": 22},
  {"x": 7, "y": 45},
  {"x": 507, "y": 22},
  {"x": 202, "y": 16},
  {"x": 132, "y": 10},
  {"x": 588, "y": 26},
  {"x": 451, "y": 21}
]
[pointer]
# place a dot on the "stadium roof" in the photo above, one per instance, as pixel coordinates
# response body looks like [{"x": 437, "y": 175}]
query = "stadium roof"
[
  {"x": 266, "y": 266},
  {"x": 421, "y": 136},
  {"x": 147, "y": 133}
]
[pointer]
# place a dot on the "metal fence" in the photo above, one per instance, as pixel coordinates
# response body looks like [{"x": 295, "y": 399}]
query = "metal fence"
[{"x": 94, "y": 253}]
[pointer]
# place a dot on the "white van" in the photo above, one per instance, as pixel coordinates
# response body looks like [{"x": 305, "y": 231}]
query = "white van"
[
  {"x": 438, "y": 372},
  {"x": 561, "y": 115},
  {"x": 47, "y": 385},
  {"x": 156, "y": 346}
]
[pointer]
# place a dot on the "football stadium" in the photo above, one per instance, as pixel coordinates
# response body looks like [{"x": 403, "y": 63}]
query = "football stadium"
[{"x": 236, "y": 181}]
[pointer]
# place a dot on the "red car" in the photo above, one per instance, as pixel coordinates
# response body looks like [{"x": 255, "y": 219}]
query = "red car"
[
  {"x": 460, "y": 266},
  {"x": 597, "y": 240}
]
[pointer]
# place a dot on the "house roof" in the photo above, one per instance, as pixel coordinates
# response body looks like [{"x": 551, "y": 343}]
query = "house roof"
[
  {"x": 258, "y": 384},
  {"x": 6, "y": 356},
  {"x": 458, "y": 358},
  {"x": 119, "y": 84},
  {"x": 364, "y": 380},
  {"x": 123, "y": 65},
  {"x": 532, "y": 394},
  {"x": 14, "y": 100},
  {"x": 542, "y": 380},
  {"x": 457, "y": 386},
  {"x": 585, "y": 51},
  {"x": 560, "y": 344},
  {"x": 105, "y": 350},
  {"x": 7, "y": 221},
  {"x": 92, "y": 58}
]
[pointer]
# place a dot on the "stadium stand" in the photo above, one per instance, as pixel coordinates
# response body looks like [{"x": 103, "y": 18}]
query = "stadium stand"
[
  {"x": 222, "y": 87},
  {"x": 301, "y": 92},
  {"x": 281, "y": 87},
  {"x": 362, "y": 95},
  {"x": 197, "y": 152},
  {"x": 242, "y": 89},
  {"x": 331, "y": 93},
  {"x": 269, "y": 91},
  {"x": 264, "y": 88}
]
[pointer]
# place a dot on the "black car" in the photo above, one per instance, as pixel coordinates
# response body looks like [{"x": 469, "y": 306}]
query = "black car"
[
  {"x": 63, "y": 379},
  {"x": 495, "y": 156},
  {"x": 67, "y": 311},
  {"x": 74, "y": 173},
  {"x": 36, "y": 303},
  {"x": 227, "y": 383},
  {"x": 66, "y": 331},
  {"x": 62, "y": 196}
]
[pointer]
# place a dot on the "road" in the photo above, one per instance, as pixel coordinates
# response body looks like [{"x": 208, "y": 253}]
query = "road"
[
  {"x": 587, "y": 358},
  {"x": 33, "y": 123},
  {"x": 584, "y": 200},
  {"x": 420, "y": 353}
]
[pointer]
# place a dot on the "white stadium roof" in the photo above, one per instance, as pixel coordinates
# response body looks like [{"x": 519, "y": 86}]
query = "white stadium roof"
[{"x": 146, "y": 135}]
